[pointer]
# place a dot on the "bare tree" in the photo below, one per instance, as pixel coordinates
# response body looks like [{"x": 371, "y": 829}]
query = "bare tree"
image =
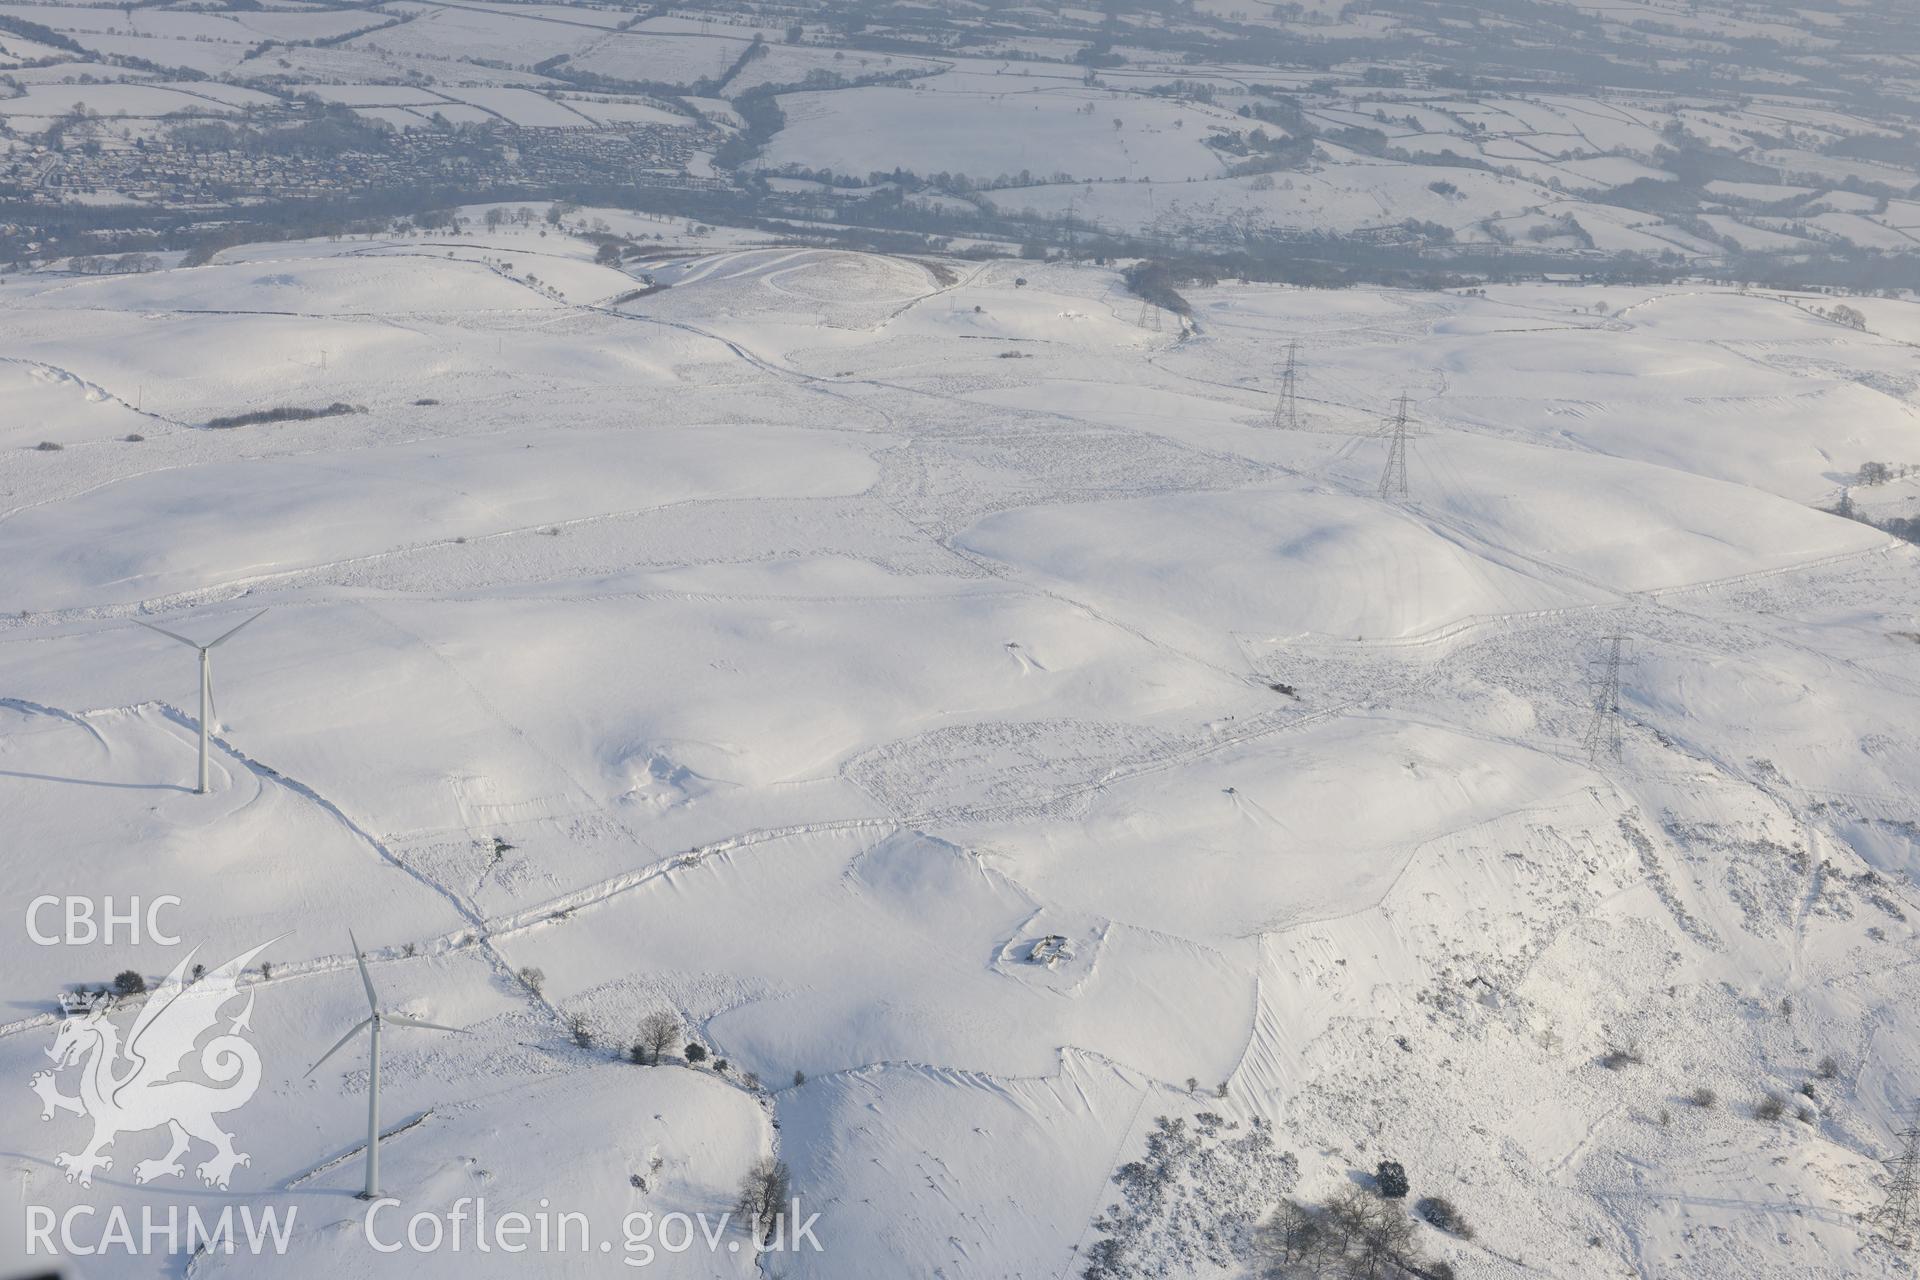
[
  {"x": 1385, "y": 1242},
  {"x": 1291, "y": 1237},
  {"x": 658, "y": 1030},
  {"x": 1369, "y": 1235},
  {"x": 763, "y": 1195},
  {"x": 1348, "y": 1212}
]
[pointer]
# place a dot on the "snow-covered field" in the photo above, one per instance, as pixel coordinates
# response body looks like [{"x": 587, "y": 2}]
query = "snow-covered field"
[
  {"x": 992, "y": 125},
  {"x": 793, "y": 647}
]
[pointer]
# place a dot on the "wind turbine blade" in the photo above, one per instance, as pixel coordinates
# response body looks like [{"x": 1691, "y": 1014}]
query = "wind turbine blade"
[
  {"x": 373, "y": 999},
  {"x": 174, "y": 635},
  {"x": 229, "y": 635},
  {"x": 213, "y": 706},
  {"x": 363, "y": 1025},
  {"x": 405, "y": 1021}
]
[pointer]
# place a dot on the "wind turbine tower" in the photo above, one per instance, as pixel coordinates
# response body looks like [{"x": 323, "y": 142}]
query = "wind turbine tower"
[
  {"x": 371, "y": 1024},
  {"x": 206, "y": 683},
  {"x": 1393, "y": 480}
]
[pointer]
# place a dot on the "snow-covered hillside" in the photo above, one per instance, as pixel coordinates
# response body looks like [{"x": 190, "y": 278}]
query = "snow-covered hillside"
[{"x": 795, "y": 646}]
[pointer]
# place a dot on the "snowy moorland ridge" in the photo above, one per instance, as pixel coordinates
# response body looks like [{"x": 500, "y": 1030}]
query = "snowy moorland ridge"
[{"x": 1089, "y": 802}]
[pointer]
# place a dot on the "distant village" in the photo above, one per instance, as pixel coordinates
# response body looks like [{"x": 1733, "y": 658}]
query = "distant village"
[{"x": 170, "y": 173}]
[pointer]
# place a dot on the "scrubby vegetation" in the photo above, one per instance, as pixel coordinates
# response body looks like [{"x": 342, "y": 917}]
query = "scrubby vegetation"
[
  {"x": 283, "y": 413},
  {"x": 1440, "y": 1213},
  {"x": 1194, "y": 1199}
]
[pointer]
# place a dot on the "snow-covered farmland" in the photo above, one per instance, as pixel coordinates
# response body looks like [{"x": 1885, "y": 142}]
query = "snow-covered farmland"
[
  {"x": 989, "y": 125},
  {"x": 39, "y": 106}
]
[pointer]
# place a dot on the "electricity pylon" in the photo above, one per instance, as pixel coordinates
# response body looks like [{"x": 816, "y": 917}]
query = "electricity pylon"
[
  {"x": 1898, "y": 1217},
  {"x": 1286, "y": 410},
  {"x": 1150, "y": 317},
  {"x": 1393, "y": 480},
  {"x": 1603, "y": 732}
]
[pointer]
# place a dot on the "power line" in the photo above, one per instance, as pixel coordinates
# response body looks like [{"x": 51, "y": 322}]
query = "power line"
[
  {"x": 1603, "y": 732},
  {"x": 1286, "y": 410},
  {"x": 1901, "y": 1212},
  {"x": 1393, "y": 480}
]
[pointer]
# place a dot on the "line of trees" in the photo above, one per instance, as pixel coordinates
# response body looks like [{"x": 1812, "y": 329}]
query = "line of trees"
[{"x": 87, "y": 264}]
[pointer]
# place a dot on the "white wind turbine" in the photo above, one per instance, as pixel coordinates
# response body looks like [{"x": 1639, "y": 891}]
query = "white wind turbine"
[
  {"x": 206, "y": 683},
  {"x": 372, "y": 1022}
]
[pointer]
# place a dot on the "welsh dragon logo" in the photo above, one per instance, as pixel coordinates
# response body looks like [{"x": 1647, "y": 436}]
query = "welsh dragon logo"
[{"x": 147, "y": 1082}]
